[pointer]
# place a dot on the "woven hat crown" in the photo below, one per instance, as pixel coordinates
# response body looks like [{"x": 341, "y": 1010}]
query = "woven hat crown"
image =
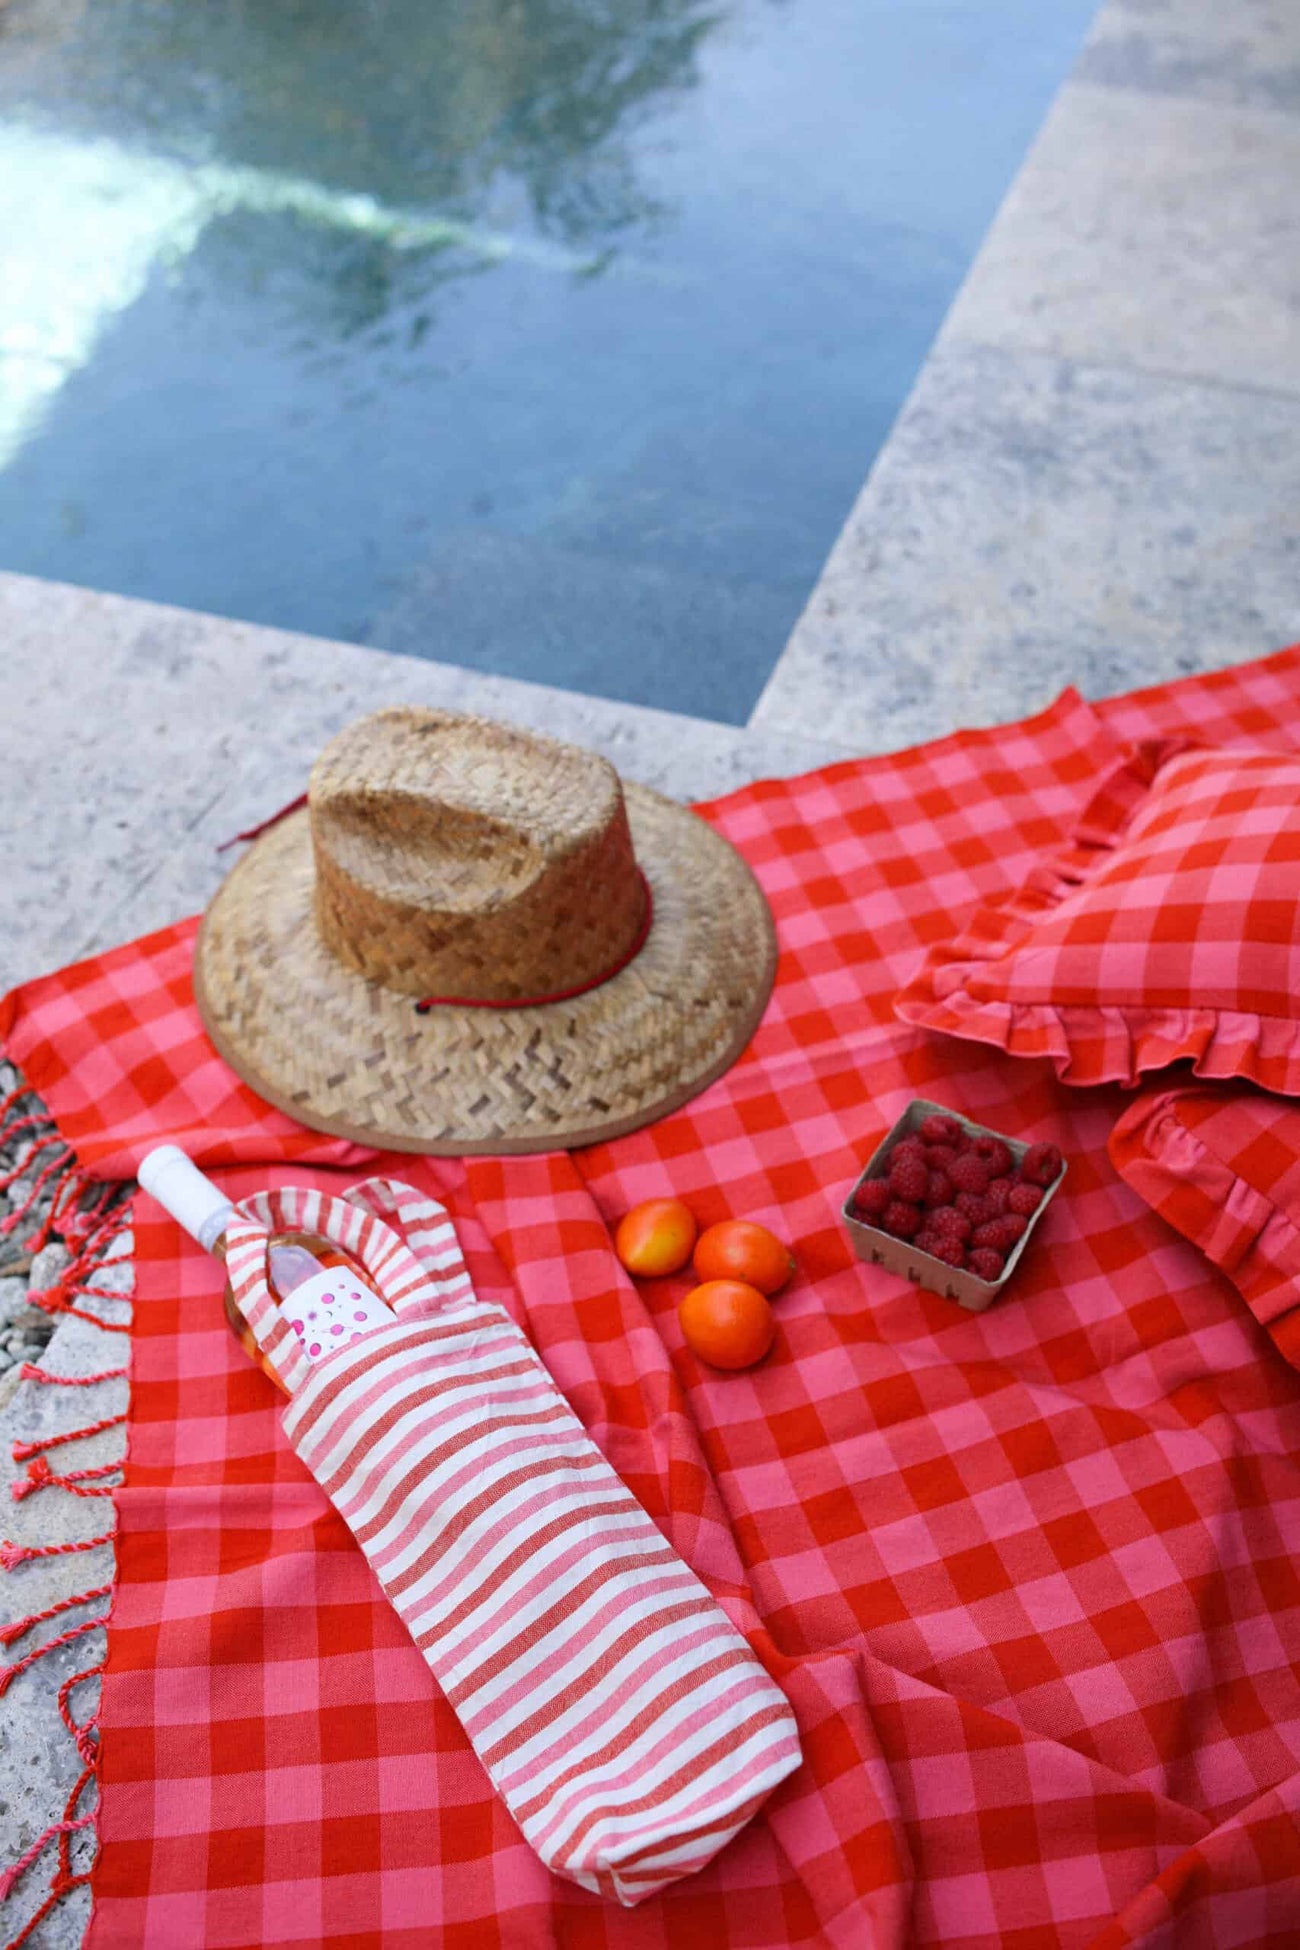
[{"x": 458, "y": 857}]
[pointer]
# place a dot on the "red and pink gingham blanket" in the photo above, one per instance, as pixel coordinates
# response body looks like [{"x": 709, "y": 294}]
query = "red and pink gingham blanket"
[{"x": 1028, "y": 1577}]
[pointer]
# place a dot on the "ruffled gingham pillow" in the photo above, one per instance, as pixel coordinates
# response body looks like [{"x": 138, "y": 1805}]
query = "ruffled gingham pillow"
[{"x": 1167, "y": 928}]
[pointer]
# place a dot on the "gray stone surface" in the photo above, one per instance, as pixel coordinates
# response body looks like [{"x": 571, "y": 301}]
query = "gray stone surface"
[
  {"x": 1237, "y": 51},
  {"x": 1153, "y": 231},
  {"x": 1034, "y": 523}
]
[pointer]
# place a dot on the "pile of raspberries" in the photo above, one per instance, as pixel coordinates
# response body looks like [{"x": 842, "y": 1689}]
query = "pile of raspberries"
[{"x": 958, "y": 1198}]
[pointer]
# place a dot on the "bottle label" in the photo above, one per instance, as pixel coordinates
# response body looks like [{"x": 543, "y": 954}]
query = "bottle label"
[{"x": 333, "y": 1309}]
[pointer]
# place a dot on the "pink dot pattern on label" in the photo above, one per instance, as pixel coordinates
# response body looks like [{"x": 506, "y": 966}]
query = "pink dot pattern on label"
[{"x": 327, "y": 1317}]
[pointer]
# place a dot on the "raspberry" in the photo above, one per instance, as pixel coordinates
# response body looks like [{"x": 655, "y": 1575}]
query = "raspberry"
[
  {"x": 939, "y": 1156},
  {"x": 902, "y": 1219},
  {"x": 937, "y": 1129},
  {"x": 907, "y": 1147},
  {"x": 1040, "y": 1165},
  {"x": 908, "y": 1178},
  {"x": 978, "y": 1207},
  {"x": 995, "y": 1155},
  {"x": 939, "y": 1189},
  {"x": 948, "y": 1221},
  {"x": 985, "y": 1264},
  {"x": 1024, "y": 1199},
  {"x": 970, "y": 1174},
  {"x": 941, "y": 1245},
  {"x": 1000, "y": 1191},
  {"x": 871, "y": 1199},
  {"x": 1001, "y": 1234}
]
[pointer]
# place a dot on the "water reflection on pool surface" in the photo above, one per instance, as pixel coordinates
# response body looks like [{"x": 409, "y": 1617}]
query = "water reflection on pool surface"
[{"x": 546, "y": 336}]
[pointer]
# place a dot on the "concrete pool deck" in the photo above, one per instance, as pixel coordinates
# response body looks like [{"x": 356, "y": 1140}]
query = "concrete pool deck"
[{"x": 1095, "y": 481}]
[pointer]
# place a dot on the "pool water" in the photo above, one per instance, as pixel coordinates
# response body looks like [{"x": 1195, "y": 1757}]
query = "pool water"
[{"x": 549, "y": 337}]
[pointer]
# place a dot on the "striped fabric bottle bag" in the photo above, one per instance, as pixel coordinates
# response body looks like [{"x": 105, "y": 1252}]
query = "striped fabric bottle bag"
[{"x": 622, "y": 1718}]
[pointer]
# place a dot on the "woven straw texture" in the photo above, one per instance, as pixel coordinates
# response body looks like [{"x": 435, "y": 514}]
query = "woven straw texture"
[
  {"x": 455, "y": 856},
  {"x": 348, "y": 1056}
]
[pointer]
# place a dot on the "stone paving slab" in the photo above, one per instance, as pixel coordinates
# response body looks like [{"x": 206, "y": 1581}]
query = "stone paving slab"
[
  {"x": 1153, "y": 231},
  {"x": 1238, "y": 51},
  {"x": 1035, "y": 523}
]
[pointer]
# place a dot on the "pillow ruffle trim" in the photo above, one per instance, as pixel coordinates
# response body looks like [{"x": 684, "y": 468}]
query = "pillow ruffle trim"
[
  {"x": 1238, "y": 1228},
  {"x": 1091, "y": 1043}
]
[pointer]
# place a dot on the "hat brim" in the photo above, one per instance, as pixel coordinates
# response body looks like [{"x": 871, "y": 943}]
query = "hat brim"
[{"x": 346, "y": 1056}]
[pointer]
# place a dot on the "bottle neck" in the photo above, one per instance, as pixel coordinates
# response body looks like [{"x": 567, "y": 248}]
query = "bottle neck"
[
  {"x": 217, "y": 1247},
  {"x": 198, "y": 1205}
]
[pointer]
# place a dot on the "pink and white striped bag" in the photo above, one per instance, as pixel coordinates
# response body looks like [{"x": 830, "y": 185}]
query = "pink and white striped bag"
[{"x": 620, "y": 1715}]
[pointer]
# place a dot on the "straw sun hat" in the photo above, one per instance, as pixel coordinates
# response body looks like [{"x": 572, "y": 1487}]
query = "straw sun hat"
[{"x": 474, "y": 938}]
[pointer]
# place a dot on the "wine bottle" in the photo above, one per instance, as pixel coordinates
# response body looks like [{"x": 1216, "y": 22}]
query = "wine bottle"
[{"x": 328, "y": 1299}]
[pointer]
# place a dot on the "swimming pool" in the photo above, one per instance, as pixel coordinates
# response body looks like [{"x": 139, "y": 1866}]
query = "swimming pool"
[{"x": 551, "y": 337}]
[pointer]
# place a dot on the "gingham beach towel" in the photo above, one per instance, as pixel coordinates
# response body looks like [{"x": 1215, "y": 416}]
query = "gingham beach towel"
[
  {"x": 1027, "y": 1577},
  {"x": 620, "y": 1715}
]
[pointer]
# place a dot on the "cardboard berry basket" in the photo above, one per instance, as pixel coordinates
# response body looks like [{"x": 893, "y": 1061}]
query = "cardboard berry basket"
[{"x": 900, "y": 1256}]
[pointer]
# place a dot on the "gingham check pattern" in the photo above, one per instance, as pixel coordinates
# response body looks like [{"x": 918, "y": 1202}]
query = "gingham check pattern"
[
  {"x": 1164, "y": 930},
  {"x": 616, "y": 1709},
  {"x": 1028, "y": 1577},
  {"x": 1221, "y": 1163}
]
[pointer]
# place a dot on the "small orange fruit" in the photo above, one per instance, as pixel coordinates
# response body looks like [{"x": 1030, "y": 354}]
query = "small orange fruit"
[
  {"x": 737, "y": 1250},
  {"x": 728, "y": 1323},
  {"x": 655, "y": 1237}
]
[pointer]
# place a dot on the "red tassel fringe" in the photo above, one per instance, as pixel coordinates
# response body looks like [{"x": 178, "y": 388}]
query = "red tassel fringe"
[
  {"x": 9, "y": 1673},
  {"x": 9, "y": 1633},
  {"x": 22, "y": 1450},
  {"x": 28, "y": 1373},
  {"x": 63, "y": 1879},
  {"x": 77, "y": 1482},
  {"x": 12, "y": 1555},
  {"x": 89, "y": 1218},
  {"x": 85, "y": 1734}
]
